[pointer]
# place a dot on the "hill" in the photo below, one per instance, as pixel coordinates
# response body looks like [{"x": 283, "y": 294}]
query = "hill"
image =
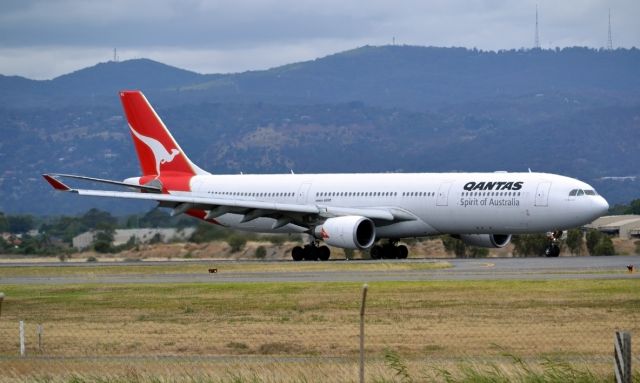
[{"x": 395, "y": 108}]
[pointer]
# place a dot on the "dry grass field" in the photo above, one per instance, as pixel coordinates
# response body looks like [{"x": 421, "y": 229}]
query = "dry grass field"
[{"x": 308, "y": 332}]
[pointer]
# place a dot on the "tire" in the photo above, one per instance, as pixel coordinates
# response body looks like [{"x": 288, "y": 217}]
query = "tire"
[
  {"x": 390, "y": 252},
  {"x": 323, "y": 253},
  {"x": 310, "y": 253},
  {"x": 403, "y": 252},
  {"x": 552, "y": 251},
  {"x": 297, "y": 253}
]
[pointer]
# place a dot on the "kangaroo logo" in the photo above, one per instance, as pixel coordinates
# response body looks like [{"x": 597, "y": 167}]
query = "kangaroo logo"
[{"x": 160, "y": 154}]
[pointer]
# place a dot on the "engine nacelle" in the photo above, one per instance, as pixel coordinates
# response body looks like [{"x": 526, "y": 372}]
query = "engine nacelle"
[
  {"x": 486, "y": 240},
  {"x": 348, "y": 232}
]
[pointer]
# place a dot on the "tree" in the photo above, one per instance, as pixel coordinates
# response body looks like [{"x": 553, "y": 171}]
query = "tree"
[
  {"x": 4, "y": 224},
  {"x": 634, "y": 207},
  {"x": 103, "y": 242},
  {"x": 20, "y": 223},
  {"x": 95, "y": 218},
  {"x": 599, "y": 243},
  {"x": 478, "y": 252},
  {"x": 461, "y": 250},
  {"x": 604, "y": 247},
  {"x": 593, "y": 238},
  {"x": 574, "y": 241},
  {"x": 455, "y": 246},
  {"x": 155, "y": 218},
  {"x": 530, "y": 244}
]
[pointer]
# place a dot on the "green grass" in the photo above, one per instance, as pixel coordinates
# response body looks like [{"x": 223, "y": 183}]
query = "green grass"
[
  {"x": 268, "y": 298},
  {"x": 223, "y": 267}
]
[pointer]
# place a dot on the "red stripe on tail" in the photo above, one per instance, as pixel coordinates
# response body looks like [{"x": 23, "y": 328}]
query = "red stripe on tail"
[{"x": 157, "y": 150}]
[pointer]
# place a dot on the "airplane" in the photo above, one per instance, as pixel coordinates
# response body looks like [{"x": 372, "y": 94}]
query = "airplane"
[{"x": 350, "y": 211}]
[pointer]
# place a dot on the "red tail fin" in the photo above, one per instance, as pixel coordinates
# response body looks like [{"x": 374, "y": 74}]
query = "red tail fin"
[{"x": 158, "y": 152}]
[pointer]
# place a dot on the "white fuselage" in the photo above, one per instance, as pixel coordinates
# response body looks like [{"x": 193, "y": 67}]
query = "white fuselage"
[{"x": 452, "y": 203}]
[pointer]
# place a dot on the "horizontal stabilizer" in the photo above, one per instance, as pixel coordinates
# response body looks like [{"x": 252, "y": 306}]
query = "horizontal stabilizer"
[
  {"x": 52, "y": 178},
  {"x": 55, "y": 183}
]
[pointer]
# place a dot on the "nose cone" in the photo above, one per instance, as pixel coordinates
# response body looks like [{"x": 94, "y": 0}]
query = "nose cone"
[{"x": 600, "y": 207}]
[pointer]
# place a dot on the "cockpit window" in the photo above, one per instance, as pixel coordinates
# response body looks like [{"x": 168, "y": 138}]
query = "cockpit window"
[{"x": 580, "y": 192}]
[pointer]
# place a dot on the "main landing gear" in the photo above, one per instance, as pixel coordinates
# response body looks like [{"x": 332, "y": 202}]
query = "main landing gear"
[
  {"x": 310, "y": 252},
  {"x": 553, "y": 249},
  {"x": 390, "y": 250}
]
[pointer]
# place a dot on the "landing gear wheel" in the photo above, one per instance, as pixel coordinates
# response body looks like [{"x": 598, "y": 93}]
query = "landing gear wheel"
[
  {"x": 552, "y": 250},
  {"x": 323, "y": 253},
  {"x": 310, "y": 253},
  {"x": 403, "y": 252},
  {"x": 297, "y": 253},
  {"x": 390, "y": 252}
]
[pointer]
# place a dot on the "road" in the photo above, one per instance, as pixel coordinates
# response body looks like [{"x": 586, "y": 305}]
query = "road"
[{"x": 614, "y": 267}]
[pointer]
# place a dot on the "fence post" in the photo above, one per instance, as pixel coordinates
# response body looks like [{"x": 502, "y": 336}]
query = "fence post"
[
  {"x": 22, "y": 350},
  {"x": 40, "y": 333},
  {"x": 622, "y": 356},
  {"x": 365, "y": 287}
]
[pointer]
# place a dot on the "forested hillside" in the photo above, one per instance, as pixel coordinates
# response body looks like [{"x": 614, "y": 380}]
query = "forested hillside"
[{"x": 572, "y": 111}]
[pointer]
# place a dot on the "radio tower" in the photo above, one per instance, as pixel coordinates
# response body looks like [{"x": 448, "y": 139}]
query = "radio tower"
[
  {"x": 610, "y": 41},
  {"x": 536, "y": 44}
]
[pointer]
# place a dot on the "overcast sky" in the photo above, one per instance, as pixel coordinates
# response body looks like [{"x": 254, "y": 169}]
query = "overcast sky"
[{"x": 42, "y": 39}]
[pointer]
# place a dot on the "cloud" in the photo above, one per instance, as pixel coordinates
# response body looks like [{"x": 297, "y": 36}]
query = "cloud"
[{"x": 232, "y": 36}]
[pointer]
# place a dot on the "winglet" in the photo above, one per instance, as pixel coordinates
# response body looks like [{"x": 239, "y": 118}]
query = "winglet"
[{"x": 56, "y": 183}]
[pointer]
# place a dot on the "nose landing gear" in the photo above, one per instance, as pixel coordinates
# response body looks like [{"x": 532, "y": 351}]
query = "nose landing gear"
[{"x": 553, "y": 249}]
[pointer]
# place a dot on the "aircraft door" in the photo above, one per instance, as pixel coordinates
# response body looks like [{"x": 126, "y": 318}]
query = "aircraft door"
[
  {"x": 542, "y": 194},
  {"x": 303, "y": 191},
  {"x": 443, "y": 194}
]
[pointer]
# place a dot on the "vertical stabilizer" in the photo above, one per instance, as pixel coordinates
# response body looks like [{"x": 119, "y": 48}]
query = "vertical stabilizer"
[{"x": 158, "y": 152}]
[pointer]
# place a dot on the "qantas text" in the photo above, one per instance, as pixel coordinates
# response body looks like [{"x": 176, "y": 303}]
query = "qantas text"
[{"x": 469, "y": 186}]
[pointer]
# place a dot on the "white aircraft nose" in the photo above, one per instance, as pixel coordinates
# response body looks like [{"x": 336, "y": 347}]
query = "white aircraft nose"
[{"x": 600, "y": 206}]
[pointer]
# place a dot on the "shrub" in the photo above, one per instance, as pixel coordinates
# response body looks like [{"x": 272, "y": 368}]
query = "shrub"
[
  {"x": 604, "y": 247},
  {"x": 348, "y": 253},
  {"x": 103, "y": 247},
  {"x": 236, "y": 243},
  {"x": 261, "y": 252}
]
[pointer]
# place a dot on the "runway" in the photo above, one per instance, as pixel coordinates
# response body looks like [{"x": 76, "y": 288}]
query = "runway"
[{"x": 613, "y": 267}]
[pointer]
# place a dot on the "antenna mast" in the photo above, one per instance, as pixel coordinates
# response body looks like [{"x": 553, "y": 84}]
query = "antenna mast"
[
  {"x": 536, "y": 44},
  {"x": 610, "y": 41}
]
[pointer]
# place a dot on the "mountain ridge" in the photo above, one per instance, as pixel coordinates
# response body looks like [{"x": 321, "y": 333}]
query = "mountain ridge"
[{"x": 574, "y": 111}]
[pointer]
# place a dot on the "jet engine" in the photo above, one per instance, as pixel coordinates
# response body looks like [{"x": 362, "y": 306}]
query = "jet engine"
[
  {"x": 486, "y": 240},
  {"x": 348, "y": 232}
]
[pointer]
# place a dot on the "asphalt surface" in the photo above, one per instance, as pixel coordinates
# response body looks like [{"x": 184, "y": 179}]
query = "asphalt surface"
[{"x": 613, "y": 267}]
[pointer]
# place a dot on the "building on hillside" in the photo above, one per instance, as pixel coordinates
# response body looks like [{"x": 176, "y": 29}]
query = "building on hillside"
[
  {"x": 12, "y": 239},
  {"x": 146, "y": 235},
  {"x": 623, "y": 226}
]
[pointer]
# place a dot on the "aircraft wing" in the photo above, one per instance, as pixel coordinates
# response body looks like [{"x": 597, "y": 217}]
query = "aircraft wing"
[{"x": 284, "y": 213}]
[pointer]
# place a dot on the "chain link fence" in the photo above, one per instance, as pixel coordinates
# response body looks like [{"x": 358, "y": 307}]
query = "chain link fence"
[{"x": 422, "y": 331}]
